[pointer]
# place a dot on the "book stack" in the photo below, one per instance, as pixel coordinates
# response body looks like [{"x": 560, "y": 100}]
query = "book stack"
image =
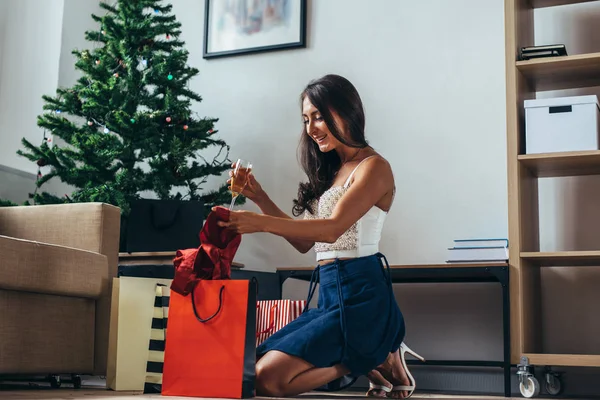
[
  {"x": 478, "y": 251},
  {"x": 531, "y": 52}
]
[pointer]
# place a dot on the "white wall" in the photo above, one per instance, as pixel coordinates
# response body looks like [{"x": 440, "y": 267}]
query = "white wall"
[
  {"x": 30, "y": 45},
  {"x": 3, "y": 14},
  {"x": 431, "y": 104},
  {"x": 77, "y": 17}
]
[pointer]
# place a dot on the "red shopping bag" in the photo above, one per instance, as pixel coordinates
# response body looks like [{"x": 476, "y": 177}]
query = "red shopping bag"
[
  {"x": 272, "y": 315},
  {"x": 210, "y": 349}
]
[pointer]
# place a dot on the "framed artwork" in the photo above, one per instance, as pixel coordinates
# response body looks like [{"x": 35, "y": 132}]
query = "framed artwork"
[{"x": 236, "y": 27}]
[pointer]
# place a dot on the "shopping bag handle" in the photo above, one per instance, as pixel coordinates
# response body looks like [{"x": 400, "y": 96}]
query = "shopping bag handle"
[
  {"x": 272, "y": 324},
  {"x": 218, "y": 309}
]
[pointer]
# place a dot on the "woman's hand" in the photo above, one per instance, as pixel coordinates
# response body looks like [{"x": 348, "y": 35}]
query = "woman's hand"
[
  {"x": 242, "y": 222},
  {"x": 252, "y": 190}
]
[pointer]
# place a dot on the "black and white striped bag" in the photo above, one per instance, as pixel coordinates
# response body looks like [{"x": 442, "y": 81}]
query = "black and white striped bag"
[{"x": 158, "y": 335}]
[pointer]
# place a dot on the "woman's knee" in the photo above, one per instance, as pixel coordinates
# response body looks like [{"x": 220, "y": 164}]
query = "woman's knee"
[{"x": 269, "y": 381}]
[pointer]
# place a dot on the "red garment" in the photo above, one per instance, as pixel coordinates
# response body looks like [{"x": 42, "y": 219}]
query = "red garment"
[{"x": 212, "y": 260}]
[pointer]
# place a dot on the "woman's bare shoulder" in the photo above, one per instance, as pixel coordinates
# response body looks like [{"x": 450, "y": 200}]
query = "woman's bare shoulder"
[
  {"x": 376, "y": 167},
  {"x": 377, "y": 163}
]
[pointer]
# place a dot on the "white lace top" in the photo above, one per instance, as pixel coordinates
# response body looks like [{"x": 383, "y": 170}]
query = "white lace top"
[{"x": 361, "y": 239}]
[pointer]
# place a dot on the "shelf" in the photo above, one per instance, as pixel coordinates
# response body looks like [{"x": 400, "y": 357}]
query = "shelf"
[
  {"x": 570, "y": 163},
  {"x": 552, "y": 3},
  {"x": 563, "y": 258},
  {"x": 564, "y": 72},
  {"x": 492, "y": 264},
  {"x": 157, "y": 257},
  {"x": 563, "y": 360}
]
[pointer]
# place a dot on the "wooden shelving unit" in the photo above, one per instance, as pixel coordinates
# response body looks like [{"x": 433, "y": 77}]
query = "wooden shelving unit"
[
  {"x": 564, "y": 360},
  {"x": 562, "y": 258},
  {"x": 561, "y": 72},
  {"x": 554, "y": 3},
  {"x": 569, "y": 163},
  {"x": 523, "y": 80}
]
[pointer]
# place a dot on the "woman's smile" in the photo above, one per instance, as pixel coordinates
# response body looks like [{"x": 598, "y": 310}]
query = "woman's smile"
[{"x": 320, "y": 139}]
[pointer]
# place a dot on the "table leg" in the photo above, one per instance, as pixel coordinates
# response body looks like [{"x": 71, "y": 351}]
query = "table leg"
[
  {"x": 502, "y": 275},
  {"x": 282, "y": 279},
  {"x": 506, "y": 333}
]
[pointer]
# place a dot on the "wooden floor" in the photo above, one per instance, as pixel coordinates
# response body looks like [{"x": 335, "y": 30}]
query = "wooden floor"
[
  {"x": 94, "y": 388},
  {"x": 101, "y": 394}
]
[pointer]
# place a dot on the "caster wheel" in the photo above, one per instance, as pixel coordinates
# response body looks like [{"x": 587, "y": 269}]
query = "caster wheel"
[
  {"x": 530, "y": 387},
  {"x": 76, "y": 381},
  {"x": 552, "y": 385},
  {"x": 55, "y": 381}
]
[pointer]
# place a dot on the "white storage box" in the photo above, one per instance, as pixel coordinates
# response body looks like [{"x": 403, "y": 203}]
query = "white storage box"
[{"x": 562, "y": 124}]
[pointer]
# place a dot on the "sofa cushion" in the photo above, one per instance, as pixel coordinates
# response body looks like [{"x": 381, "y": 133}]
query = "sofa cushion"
[
  {"x": 87, "y": 226},
  {"x": 45, "y": 334},
  {"x": 45, "y": 268}
]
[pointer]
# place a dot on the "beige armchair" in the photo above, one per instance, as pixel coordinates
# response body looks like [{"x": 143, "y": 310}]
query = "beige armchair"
[{"x": 56, "y": 267}]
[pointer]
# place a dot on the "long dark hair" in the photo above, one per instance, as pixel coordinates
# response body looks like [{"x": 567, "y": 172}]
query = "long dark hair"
[{"x": 329, "y": 94}]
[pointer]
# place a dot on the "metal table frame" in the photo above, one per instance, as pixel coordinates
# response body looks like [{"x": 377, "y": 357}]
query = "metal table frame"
[{"x": 445, "y": 273}]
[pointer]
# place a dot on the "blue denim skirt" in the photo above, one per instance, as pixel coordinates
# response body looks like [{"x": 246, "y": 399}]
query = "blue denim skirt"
[{"x": 356, "y": 323}]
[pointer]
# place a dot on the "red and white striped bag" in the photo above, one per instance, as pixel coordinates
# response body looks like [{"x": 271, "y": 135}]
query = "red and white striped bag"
[{"x": 272, "y": 315}]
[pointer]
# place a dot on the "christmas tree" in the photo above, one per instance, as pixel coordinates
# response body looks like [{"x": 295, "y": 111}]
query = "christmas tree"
[{"x": 127, "y": 124}]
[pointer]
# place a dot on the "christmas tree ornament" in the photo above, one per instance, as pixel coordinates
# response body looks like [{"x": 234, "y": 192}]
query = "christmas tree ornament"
[
  {"x": 185, "y": 127},
  {"x": 90, "y": 123},
  {"x": 132, "y": 120},
  {"x": 116, "y": 74},
  {"x": 169, "y": 77},
  {"x": 168, "y": 119},
  {"x": 97, "y": 62},
  {"x": 106, "y": 130}
]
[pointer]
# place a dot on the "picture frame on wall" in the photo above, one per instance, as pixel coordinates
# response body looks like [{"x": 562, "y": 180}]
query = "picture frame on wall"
[{"x": 241, "y": 27}]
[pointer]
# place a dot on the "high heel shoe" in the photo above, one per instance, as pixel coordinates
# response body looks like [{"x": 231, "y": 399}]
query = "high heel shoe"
[
  {"x": 411, "y": 388},
  {"x": 372, "y": 386}
]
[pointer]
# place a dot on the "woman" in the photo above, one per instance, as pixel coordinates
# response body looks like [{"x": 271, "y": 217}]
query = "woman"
[{"x": 357, "y": 328}]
